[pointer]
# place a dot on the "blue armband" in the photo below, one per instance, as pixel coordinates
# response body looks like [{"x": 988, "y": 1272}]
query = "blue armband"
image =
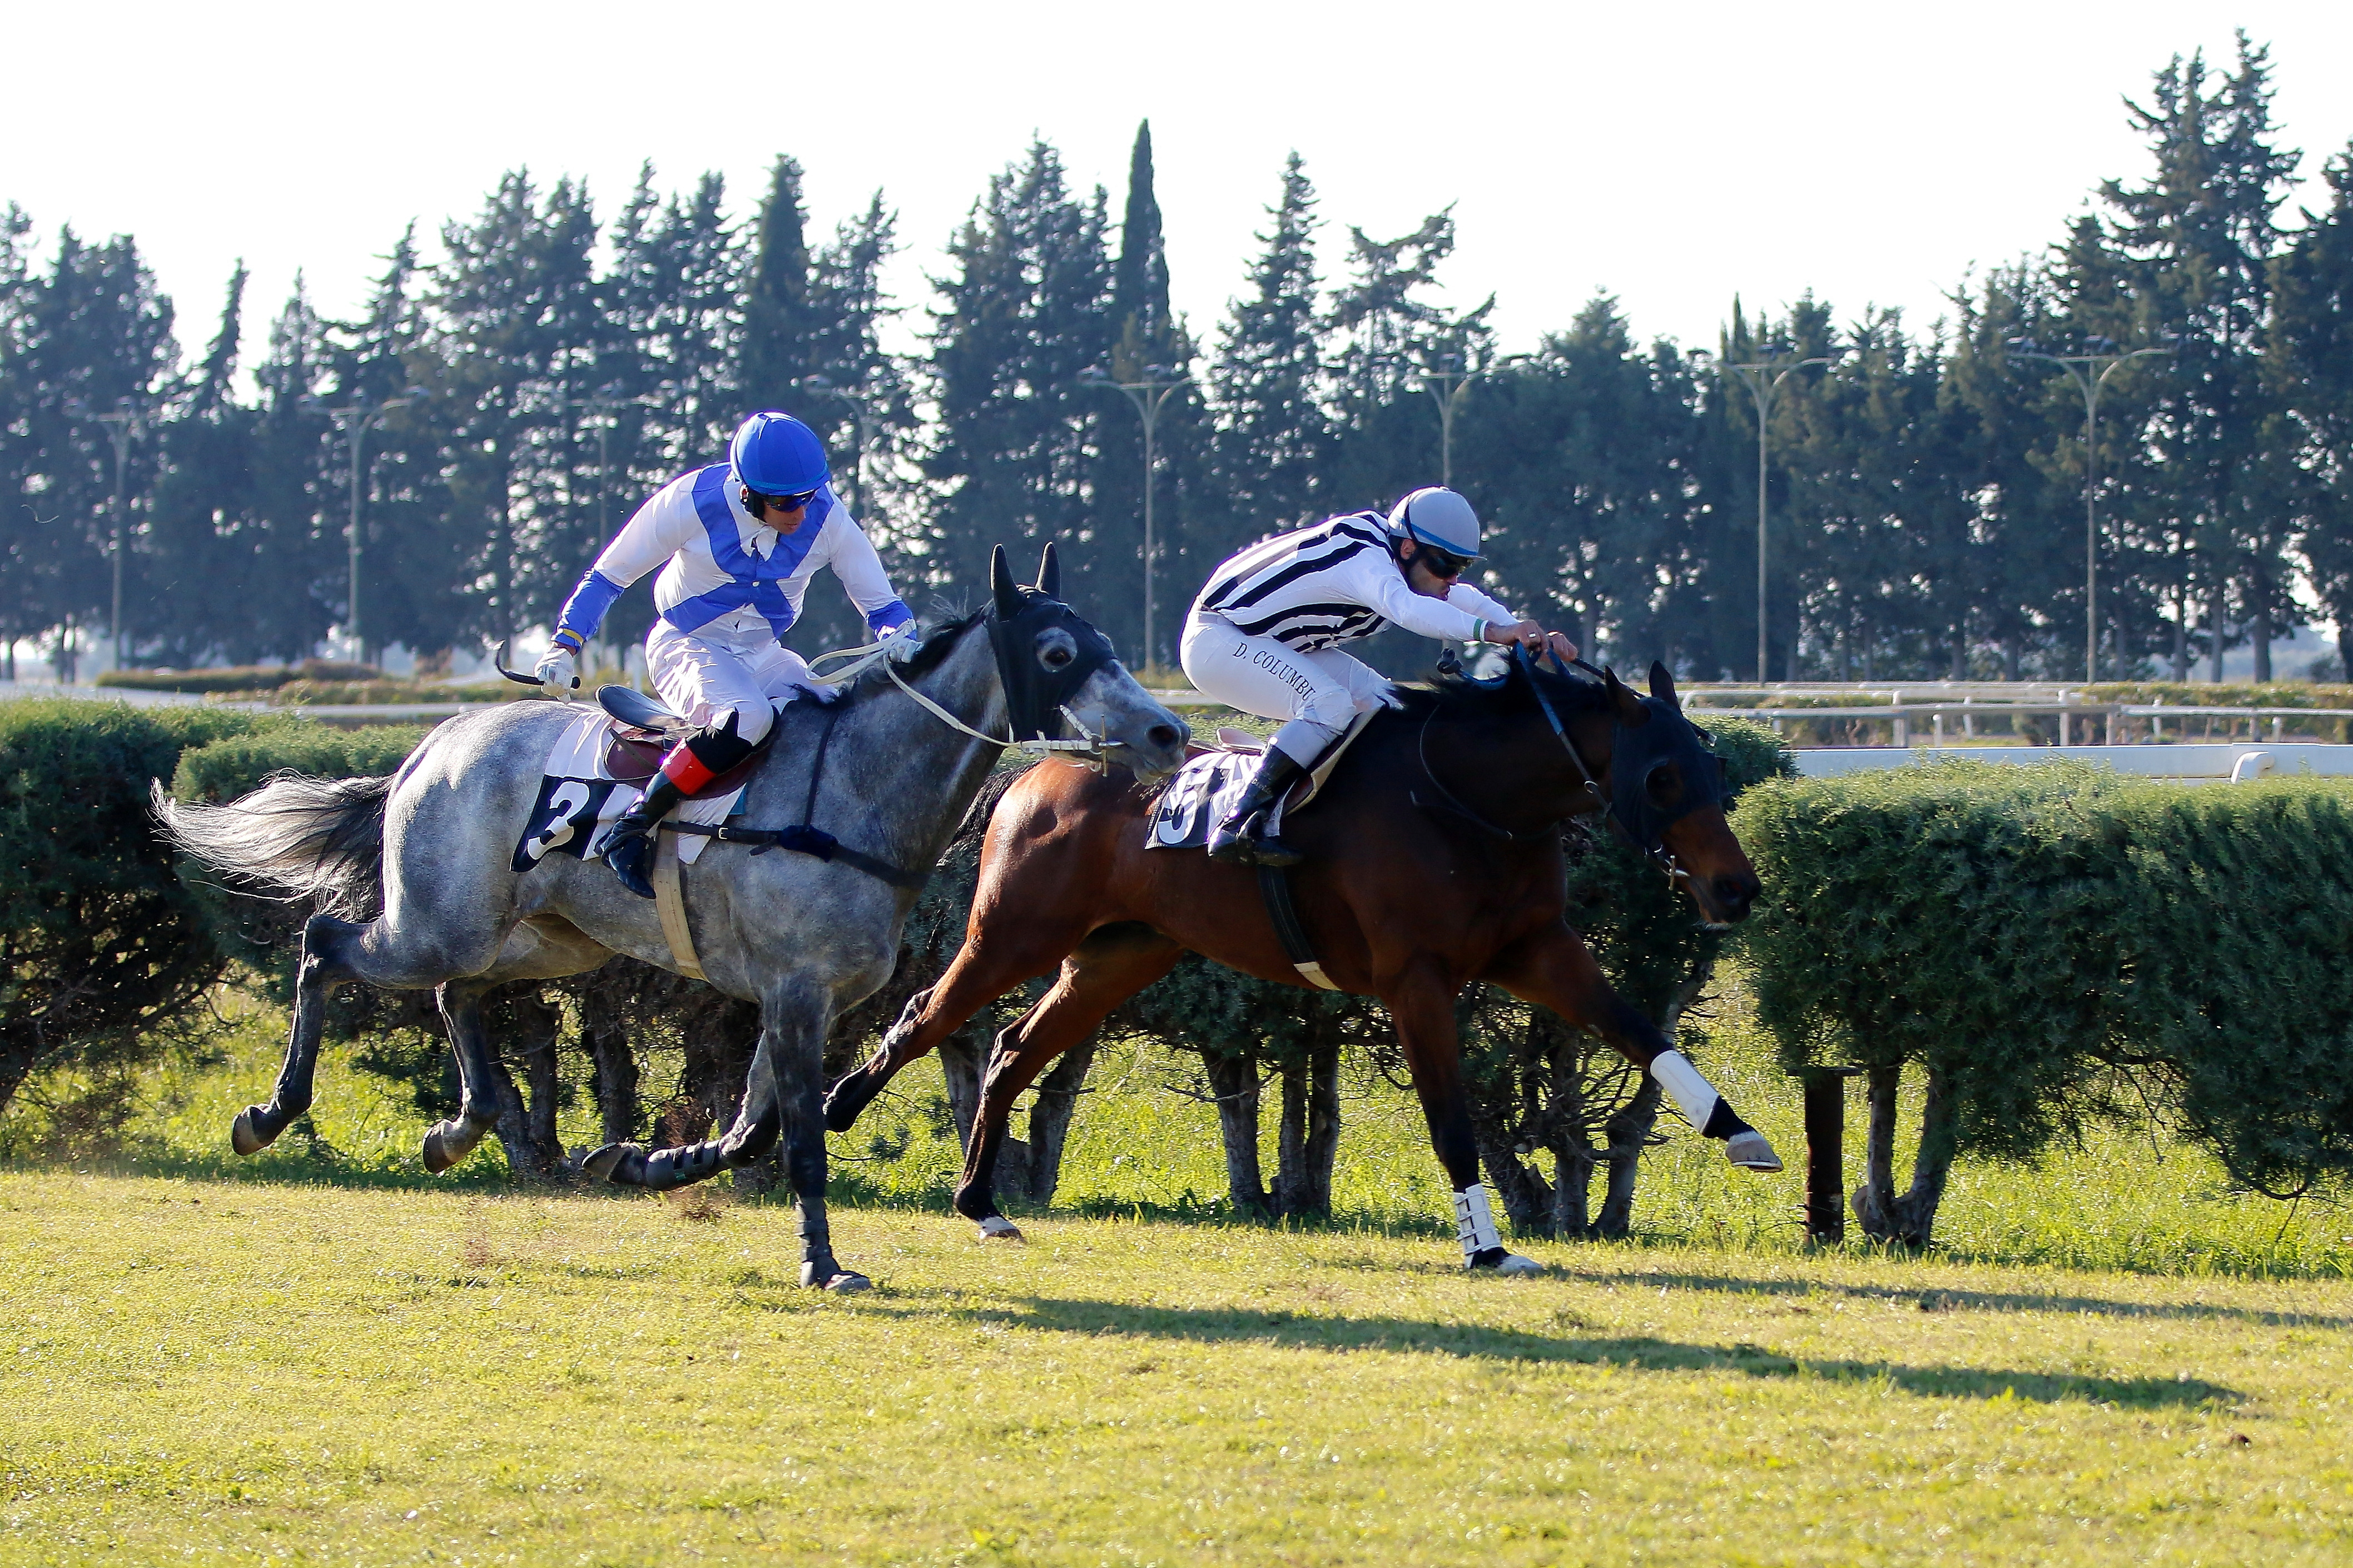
[
  {"x": 893, "y": 614},
  {"x": 584, "y": 611}
]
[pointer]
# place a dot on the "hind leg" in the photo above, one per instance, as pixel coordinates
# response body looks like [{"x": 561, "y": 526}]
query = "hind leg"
[
  {"x": 1552, "y": 968},
  {"x": 325, "y": 965},
  {"x": 983, "y": 970},
  {"x": 1106, "y": 970},
  {"x": 447, "y": 1142}
]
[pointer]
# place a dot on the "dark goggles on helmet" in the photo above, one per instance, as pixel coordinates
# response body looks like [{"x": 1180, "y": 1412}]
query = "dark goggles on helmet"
[
  {"x": 785, "y": 503},
  {"x": 1444, "y": 565}
]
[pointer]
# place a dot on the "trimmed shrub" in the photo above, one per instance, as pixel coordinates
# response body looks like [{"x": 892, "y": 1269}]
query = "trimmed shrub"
[
  {"x": 237, "y": 677},
  {"x": 101, "y": 946},
  {"x": 2045, "y": 941}
]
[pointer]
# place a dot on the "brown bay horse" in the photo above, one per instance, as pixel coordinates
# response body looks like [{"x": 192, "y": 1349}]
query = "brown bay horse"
[{"x": 1434, "y": 860}]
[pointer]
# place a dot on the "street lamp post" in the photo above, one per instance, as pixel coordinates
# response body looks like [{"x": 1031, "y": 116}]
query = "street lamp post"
[
  {"x": 2089, "y": 372},
  {"x": 1446, "y": 384},
  {"x": 125, "y": 422},
  {"x": 1764, "y": 378},
  {"x": 1158, "y": 385},
  {"x": 607, "y": 413},
  {"x": 356, "y": 420},
  {"x": 861, "y": 410}
]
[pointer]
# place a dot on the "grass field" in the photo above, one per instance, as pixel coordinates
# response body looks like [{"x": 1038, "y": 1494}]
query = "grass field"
[{"x": 324, "y": 1356}]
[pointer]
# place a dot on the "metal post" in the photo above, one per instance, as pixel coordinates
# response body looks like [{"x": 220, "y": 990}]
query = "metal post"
[
  {"x": 356, "y": 420},
  {"x": 1446, "y": 386},
  {"x": 1159, "y": 383},
  {"x": 1764, "y": 378},
  {"x": 1825, "y": 1111},
  {"x": 861, "y": 411},
  {"x": 2090, "y": 373},
  {"x": 125, "y": 424}
]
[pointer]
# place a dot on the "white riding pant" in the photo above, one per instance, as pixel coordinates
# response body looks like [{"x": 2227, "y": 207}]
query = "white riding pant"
[
  {"x": 1320, "y": 693},
  {"x": 705, "y": 679}
]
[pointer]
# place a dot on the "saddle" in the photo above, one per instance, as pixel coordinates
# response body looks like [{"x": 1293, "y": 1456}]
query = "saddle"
[{"x": 643, "y": 733}]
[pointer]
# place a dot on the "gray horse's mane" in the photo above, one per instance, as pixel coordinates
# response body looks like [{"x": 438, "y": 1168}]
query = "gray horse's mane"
[{"x": 941, "y": 632}]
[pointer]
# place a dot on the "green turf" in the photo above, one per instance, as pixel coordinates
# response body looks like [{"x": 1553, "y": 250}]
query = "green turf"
[{"x": 325, "y": 1356}]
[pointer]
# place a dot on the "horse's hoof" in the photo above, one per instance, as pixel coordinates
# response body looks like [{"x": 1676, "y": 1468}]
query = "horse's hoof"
[
  {"x": 436, "y": 1153},
  {"x": 1511, "y": 1266},
  {"x": 244, "y": 1136},
  {"x": 1751, "y": 1153},
  {"x": 997, "y": 1228},
  {"x": 841, "y": 1281},
  {"x": 623, "y": 1164},
  {"x": 841, "y": 1110}
]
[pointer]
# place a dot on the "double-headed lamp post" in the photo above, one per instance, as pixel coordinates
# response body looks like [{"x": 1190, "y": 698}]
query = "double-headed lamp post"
[
  {"x": 1159, "y": 383},
  {"x": 1764, "y": 378},
  {"x": 125, "y": 422},
  {"x": 1446, "y": 382},
  {"x": 2090, "y": 370},
  {"x": 355, "y": 420}
]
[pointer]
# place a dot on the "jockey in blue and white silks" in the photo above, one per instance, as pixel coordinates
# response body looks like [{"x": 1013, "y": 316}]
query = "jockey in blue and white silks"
[
  {"x": 1264, "y": 635},
  {"x": 737, "y": 543}
]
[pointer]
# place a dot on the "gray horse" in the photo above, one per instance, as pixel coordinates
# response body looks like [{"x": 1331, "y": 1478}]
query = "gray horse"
[{"x": 887, "y": 773}]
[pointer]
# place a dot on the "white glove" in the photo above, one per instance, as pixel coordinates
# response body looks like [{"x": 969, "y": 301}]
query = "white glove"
[
  {"x": 902, "y": 641},
  {"x": 558, "y": 673}
]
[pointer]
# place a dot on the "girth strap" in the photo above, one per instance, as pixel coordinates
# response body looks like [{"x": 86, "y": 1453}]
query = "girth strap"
[
  {"x": 804, "y": 839},
  {"x": 1275, "y": 888}
]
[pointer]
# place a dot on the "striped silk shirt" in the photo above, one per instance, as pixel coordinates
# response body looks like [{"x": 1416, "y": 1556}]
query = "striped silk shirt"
[{"x": 1334, "y": 582}]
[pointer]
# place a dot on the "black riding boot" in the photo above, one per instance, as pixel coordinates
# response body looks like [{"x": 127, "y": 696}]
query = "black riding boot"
[
  {"x": 630, "y": 850},
  {"x": 1241, "y": 839}
]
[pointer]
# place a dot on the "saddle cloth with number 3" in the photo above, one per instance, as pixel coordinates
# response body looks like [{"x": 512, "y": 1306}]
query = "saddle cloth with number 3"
[{"x": 579, "y": 799}]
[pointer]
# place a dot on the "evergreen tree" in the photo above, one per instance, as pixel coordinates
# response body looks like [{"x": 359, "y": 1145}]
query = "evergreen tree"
[
  {"x": 2310, "y": 360},
  {"x": 2189, "y": 254},
  {"x": 196, "y": 599},
  {"x": 521, "y": 328},
  {"x": 1268, "y": 388},
  {"x": 777, "y": 321},
  {"x": 1014, "y": 452},
  {"x": 92, "y": 335}
]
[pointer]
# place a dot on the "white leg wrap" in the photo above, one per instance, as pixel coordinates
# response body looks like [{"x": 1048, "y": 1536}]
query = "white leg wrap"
[
  {"x": 1474, "y": 1222},
  {"x": 1693, "y": 1095}
]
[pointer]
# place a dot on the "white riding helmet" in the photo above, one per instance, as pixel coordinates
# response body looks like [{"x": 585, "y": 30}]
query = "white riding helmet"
[{"x": 1439, "y": 517}]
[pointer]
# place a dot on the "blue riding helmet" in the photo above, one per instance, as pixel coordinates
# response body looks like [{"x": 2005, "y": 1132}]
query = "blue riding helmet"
[
  {"x": 774, "y": 454},
  {"x": 1438, "y": 518}
]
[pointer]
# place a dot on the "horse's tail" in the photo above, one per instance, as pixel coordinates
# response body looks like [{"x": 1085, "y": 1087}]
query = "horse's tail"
[{"x": 295, "y": 838}]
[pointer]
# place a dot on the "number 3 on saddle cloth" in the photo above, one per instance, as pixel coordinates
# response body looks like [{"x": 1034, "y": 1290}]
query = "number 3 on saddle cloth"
[{"x": 594, "y": 772}]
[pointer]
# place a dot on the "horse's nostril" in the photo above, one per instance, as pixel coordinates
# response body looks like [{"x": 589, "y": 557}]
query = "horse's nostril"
[{"x": 1162, "y": 735}]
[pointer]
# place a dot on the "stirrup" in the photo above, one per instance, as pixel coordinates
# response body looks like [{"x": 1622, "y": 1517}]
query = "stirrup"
[{"x": 1246, "y": 843}]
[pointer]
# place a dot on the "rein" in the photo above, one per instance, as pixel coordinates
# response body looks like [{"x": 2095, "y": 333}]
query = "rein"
[
  {"x": 880, "y": 652},
  {"x": 1661, "y": 856}
]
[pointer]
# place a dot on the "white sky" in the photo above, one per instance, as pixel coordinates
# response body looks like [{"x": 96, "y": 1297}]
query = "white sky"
[{"x": 1874, "y": 153}]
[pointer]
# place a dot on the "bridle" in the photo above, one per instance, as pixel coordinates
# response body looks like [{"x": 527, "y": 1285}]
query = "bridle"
[
  {"x": 1658, "y": 854},
  {"x": 1036, "y": 743}
]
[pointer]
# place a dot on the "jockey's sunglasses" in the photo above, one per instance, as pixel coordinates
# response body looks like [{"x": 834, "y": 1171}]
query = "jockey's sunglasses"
[
  {"x": 1443, "y": 567},
  {"x": 788, "y": 503}
]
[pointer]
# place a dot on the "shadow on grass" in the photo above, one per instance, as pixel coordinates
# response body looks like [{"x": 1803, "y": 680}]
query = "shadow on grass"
[
  {"x": 1934, "y": 1298},
  {"x": 1473, "y": 1341}
]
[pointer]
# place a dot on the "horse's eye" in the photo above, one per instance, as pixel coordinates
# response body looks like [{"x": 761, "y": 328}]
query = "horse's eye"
[{"x": 1055, "y": 658}]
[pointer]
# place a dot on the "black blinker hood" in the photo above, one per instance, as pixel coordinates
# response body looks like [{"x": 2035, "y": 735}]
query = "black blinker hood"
[{"x": 1019, "y": 615}]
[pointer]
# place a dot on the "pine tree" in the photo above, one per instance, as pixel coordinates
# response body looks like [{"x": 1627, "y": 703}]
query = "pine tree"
[
  {"x": 2310, "y": 361},
  {"x": 1269, "y": 387},
  {"x": 778, "y": 323},
  {"x": 1014, "y": 452},
  {"x": 196, "y": 600},
  {"x": 521, "y": 329},
  {"x": 2189, "y": 254}
]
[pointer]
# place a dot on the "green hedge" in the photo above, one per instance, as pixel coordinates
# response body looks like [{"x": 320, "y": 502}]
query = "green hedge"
[
  {"x": 100, "y": 943},
  {"x": 237, "y": 677},
  {"x": 2050, "y": 940}
]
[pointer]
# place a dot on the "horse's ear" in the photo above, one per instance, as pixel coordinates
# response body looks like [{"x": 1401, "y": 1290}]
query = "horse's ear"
[
  {"x": 1663, "y": 684},
  {"x": 1623, "y": 703},
  {"x": 1001, "y": 583},
  {"x": 1049, "y": 573}
]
